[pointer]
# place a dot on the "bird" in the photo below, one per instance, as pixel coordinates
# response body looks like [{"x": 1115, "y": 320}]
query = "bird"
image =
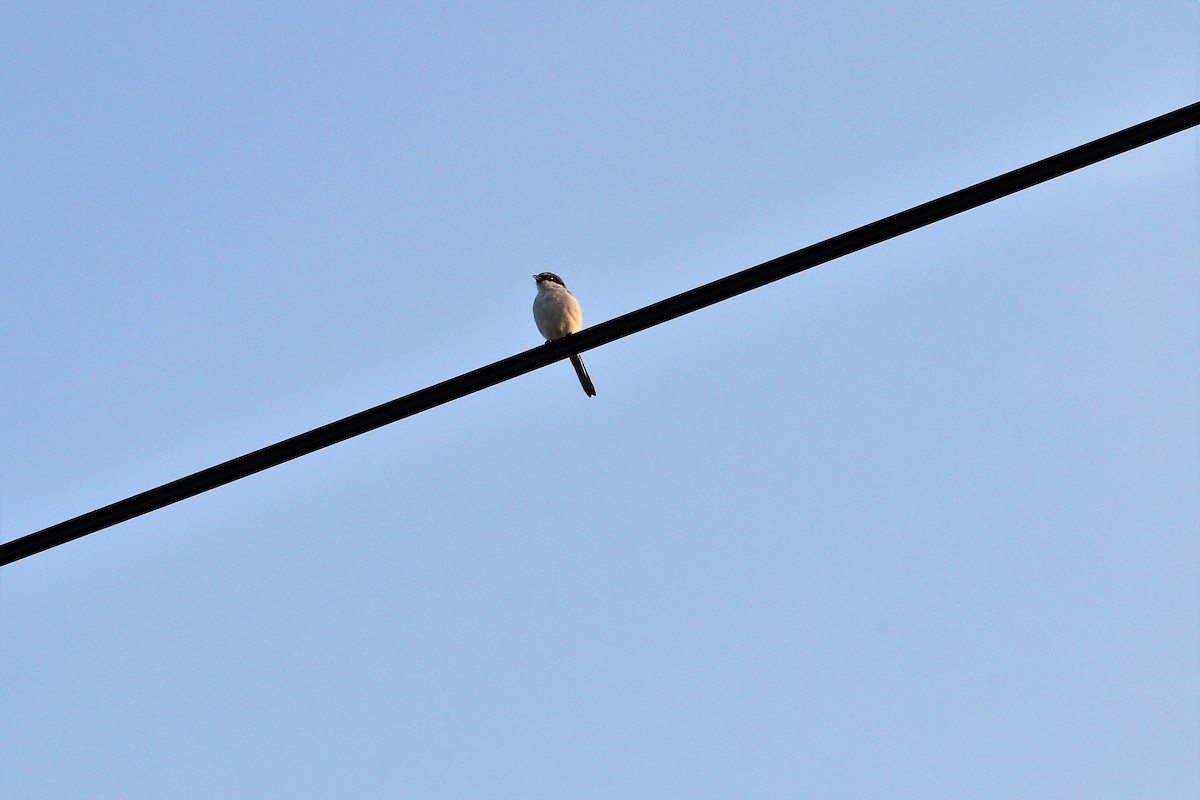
[{"x": 557, "y": 314}]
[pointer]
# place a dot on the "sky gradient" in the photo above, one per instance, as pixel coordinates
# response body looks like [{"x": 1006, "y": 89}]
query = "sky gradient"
[{"x": 923, "y": 522}]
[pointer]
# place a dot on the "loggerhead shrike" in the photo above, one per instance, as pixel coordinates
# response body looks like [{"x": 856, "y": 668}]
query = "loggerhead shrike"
[{"x": 557, "y": 314}]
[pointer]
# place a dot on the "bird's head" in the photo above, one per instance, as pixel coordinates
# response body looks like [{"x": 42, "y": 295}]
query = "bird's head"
[{"x": 543, "y": 278}]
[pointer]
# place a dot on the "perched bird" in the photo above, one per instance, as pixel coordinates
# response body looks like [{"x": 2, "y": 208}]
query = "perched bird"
[{"x": 557, "y": 314}]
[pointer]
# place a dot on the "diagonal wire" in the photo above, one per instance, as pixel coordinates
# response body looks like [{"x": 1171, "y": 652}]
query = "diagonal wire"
[{"x": 635, "y": 321}]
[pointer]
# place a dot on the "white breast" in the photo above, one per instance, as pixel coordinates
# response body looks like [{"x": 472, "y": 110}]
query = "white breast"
[{"x": 556, "y": 312}]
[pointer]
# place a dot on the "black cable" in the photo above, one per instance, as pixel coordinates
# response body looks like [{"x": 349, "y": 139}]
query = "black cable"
[{"x": 589, "y": 338}]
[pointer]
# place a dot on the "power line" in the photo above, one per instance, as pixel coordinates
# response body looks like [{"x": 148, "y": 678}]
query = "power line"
[{"x": 634, "y": 322}]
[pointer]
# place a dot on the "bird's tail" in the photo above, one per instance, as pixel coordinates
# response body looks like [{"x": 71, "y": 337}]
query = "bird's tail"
[{"x": 584, "y": 380}]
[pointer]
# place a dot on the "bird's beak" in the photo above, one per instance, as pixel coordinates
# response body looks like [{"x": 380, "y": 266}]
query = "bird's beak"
[{"x": 534, "y": 277}]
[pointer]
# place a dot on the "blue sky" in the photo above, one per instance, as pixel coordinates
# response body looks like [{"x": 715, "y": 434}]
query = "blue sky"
[{"x": 923, "y": 522}]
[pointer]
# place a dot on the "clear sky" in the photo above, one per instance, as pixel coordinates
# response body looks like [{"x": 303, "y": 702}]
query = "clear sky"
[{"x": 920, "y": 523}]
